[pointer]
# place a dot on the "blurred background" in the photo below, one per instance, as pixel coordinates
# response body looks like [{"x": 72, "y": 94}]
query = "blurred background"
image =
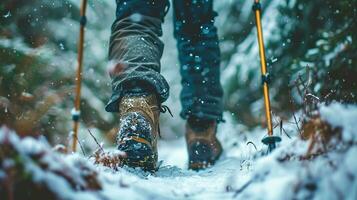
[{"x": 310, "y": 42}]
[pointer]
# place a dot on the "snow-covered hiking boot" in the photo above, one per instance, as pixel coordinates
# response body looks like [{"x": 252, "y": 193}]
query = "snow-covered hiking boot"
[
  {"x": 138, "y": 132},
  {"x": 202, "y": 144}
]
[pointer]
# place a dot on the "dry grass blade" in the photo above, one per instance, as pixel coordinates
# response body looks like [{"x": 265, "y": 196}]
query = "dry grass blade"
[
  {"x": 320, "y": 135},
  {"x": 250, "y": 142},
  {"x": 297, "y": 123},
  {"x": 310, "y": 101},
  {"x": 282, "y": 129},
  {"x": 96, "y": 141},
  {"x": 80, "y": 145}
]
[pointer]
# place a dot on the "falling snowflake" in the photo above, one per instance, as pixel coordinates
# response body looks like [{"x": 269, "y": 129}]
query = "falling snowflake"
[{"x": 7, "y": 15}]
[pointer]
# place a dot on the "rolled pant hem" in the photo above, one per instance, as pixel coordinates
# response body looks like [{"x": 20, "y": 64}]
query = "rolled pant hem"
[
  {"x": 200, "y": 113},
  {"x": 156, "y": 80}
]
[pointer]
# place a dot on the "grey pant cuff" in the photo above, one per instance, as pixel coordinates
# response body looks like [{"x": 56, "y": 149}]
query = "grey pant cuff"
[
  {"x": 150, "y": 77},
  {"x": 210, "y": 108}
]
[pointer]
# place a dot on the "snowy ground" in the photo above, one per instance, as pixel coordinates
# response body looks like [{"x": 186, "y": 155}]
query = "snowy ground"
[{"x": 242, "y": 173}]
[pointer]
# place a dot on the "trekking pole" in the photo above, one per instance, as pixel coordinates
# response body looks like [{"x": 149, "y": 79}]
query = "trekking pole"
[
  {"x": 77, "y": 101},
  {"x": 270, "y": 140}
]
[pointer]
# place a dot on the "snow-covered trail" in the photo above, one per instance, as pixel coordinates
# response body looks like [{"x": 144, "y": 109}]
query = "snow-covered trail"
[
  {"x": 173, "y": 182},
  {"x": 243, "y": 172}
]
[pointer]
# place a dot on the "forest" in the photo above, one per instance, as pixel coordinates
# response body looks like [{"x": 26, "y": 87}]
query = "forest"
[{"x": 311, "y": 57}]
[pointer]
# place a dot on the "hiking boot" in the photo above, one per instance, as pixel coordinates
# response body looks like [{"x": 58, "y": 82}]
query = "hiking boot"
[
  {"x": 202, "y": 144},
  {"x": 138, "y": 132}
]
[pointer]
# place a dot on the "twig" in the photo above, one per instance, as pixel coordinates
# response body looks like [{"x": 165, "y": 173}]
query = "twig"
[
  {"x": 328, "y": 95},
  {"x": 308, "y": 77},
  {"x": 275, "y": 120},
  {"x": 96, "y": 141},
  {"x": 297, "y": 85},
  {"x": 286, "y": 133},
  {"x": 80, "y": 145},
  {"x": 302, "y": 83},
  {"x": 302, "y": 96},
  {"x": 257, "y": 177},
  {"x": 241, "y": 164},
  {"x": 282, "y": 129},
  {"x": 276, "y": 125},
  {"x": 297, "y": 124},
  {"x": 243, "y": 188},
  {"x": 313, "y": 96},
  {"x": 280, "y": 124}
]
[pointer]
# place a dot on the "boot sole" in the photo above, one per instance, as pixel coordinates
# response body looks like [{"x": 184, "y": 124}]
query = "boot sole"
[{"x": 143, "y": 157}]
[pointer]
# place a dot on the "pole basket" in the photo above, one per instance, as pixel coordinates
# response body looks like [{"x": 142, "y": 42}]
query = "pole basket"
[{"x": 271, "y": 142}]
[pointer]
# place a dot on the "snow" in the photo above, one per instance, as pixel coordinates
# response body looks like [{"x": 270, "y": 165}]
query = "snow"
[
  {"x": 342, "y": 116},
  {"x": 239, "y": 165},
  {"x": 242, "y": 173}
]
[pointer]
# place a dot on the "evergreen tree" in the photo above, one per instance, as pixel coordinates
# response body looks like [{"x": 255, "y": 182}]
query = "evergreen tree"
[
  {"x": 38, "y": 47},
  {"x": 307, "y": 39}
]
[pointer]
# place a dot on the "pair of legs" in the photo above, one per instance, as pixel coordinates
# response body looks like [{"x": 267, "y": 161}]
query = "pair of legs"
[{"x": 135, "y": 51}]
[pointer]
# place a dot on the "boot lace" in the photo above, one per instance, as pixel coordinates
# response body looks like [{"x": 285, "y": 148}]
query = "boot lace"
[{"x": 164, "y": 109}]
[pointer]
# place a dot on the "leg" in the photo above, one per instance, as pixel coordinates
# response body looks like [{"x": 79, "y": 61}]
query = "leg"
[
  {"x": 202, "y": 93},
  {"x": 135, "y": 49},
  {"x": 138, "y": 88},
  {"x": 199, "y": 56}
]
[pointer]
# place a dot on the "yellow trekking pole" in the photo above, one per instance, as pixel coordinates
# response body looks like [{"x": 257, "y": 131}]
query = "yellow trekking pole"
[
  {"x": 77, "y": 101},
  {"x": 270, "y": 140}
]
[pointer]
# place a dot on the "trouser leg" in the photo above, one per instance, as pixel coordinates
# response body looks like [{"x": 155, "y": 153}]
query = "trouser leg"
[
  {"x": 199, "y": 55},
  {"x": 135, "y": 49}
]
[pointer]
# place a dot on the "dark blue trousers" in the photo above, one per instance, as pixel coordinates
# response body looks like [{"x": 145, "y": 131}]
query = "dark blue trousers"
[{"x": 136, "y": 50}]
